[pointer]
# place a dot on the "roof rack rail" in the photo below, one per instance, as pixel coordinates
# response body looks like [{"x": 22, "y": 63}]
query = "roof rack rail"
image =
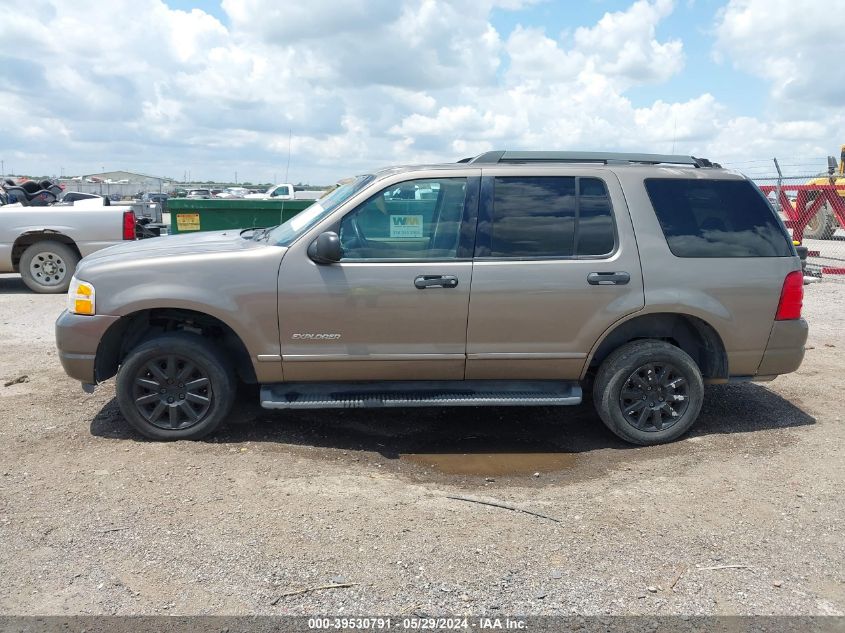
[{"x": 607, "y": 158}]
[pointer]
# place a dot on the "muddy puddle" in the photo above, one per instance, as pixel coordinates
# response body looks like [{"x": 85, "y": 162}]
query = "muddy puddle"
[{"x": 482, "y": 459}]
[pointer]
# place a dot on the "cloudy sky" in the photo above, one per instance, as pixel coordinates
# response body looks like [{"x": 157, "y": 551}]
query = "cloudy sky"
[{"x": 216, "y": 87}]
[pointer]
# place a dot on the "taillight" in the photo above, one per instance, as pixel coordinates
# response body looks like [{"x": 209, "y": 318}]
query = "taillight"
[
  {"x": 129, "y": 225},
  {"x": 791, "y": 297}
]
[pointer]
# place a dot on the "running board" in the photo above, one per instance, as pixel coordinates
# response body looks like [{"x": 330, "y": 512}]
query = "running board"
[{"x": 429, "y": 393}]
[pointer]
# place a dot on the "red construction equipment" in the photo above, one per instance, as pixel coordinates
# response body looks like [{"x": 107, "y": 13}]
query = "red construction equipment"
[{"x": 809, "y": 199}]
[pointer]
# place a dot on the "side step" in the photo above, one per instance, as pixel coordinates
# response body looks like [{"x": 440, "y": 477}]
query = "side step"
[{"x": 428, "y": 393}]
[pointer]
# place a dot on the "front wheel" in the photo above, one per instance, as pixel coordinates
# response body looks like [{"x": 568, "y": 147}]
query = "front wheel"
[
  {"x": 177, "y": 386},
  {"x": 648, "y": 392}
]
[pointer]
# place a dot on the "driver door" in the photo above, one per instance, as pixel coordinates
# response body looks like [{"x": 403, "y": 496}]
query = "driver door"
[{"x": 395, "y": 307}]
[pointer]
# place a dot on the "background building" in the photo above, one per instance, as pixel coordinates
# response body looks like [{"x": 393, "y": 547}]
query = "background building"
[{"x": 117, "y": 183}]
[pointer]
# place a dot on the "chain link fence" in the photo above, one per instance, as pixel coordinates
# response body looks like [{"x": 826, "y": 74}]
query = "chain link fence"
[{"x": 809, "y": 195}]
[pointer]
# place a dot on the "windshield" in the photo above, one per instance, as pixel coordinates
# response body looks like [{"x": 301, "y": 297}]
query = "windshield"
[{"x": 285, "y": 234}]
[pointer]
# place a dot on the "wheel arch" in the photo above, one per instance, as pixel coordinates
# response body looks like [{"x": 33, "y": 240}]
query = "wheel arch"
[
  {"x": 27, "y": 239},
  {"x": 132, "y": 329},
  {"x": 690, "y": 333}
]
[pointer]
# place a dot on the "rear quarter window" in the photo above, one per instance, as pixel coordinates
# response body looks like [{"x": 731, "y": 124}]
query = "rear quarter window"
[{"x": 717, "y": 218}]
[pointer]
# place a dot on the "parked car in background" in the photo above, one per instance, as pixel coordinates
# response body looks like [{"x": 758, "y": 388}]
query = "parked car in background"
[
  {"x": 158, "y": 198},
  {"x": 199, "y": 194},
  {"x": 233, "y": 192},
  {"x": 527, "y": 278}
]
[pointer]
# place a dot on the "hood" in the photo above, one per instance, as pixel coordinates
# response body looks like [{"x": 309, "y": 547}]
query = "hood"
[{"x": 181, "y": 245}]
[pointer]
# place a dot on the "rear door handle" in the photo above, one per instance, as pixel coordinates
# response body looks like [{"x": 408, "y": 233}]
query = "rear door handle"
[
  {"x": 436, "y": 281},
  {"x": 608, "y": 279}
]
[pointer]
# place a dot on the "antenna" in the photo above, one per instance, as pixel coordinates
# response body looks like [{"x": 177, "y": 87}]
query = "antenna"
[
  {"x": 287, "y": 169},
  {"x": 674, "y": 133}
]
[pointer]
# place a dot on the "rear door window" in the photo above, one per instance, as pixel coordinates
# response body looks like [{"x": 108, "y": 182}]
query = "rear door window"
[
  {"x": 717, "y": 218},
  {"x": 548, "y": 217}
]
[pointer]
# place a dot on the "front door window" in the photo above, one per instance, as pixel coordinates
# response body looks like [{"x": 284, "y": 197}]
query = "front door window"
[{"x": 417, "y": 219}]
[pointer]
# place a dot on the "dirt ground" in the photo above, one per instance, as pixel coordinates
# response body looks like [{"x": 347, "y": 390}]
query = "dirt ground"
[{"x": 743, "y": 516}]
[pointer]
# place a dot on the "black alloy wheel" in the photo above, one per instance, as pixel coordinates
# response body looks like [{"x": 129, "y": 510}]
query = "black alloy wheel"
[
  {"x": 654, "y": 397},
  {"x": 171, "y": 392}
]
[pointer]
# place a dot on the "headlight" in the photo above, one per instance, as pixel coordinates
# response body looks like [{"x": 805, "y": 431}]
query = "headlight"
[{"x": 80, "y": 297}]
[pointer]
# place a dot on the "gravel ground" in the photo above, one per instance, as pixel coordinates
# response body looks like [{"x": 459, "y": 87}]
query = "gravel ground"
[{"x": 744, "y": 516}]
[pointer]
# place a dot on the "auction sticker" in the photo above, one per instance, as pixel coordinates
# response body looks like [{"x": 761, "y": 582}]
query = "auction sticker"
[
  {"x": 408, "y": 226},
  {"x": 188, "y": 221}
]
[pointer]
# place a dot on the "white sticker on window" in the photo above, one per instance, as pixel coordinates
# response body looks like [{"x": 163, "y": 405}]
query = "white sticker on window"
[{"x": 408, "y": 226}]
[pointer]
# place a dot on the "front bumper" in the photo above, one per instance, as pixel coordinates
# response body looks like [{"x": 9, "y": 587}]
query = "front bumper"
[
  {"x": 77, "y": 339},
  {"x": 785, "y": 349}
]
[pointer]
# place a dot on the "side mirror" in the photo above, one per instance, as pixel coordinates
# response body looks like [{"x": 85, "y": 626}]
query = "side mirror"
[{"x": 326, "y": 248}]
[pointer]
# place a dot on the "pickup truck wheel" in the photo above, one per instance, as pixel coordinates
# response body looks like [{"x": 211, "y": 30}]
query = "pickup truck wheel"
[
  {"x": 48, "y": 266},
  {"x": 648, "y": 392},
  {"x": 177, "y": 386}
]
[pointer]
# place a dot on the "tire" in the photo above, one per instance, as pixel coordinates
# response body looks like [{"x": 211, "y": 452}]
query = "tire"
[
  {"x": 182, "y": 412},
  {"x": 822, "y": 225},
  {"x": 47, "y": 266},
  {"x": 681, "y": 388}
]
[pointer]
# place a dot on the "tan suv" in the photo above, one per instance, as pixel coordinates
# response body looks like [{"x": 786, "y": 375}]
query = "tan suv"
[{"x": 513, "y": 278}]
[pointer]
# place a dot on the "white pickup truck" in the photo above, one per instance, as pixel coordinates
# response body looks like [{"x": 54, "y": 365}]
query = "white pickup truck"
[
  {"x": 285, "y": 191},
  {"x": 44, "y": 243}
]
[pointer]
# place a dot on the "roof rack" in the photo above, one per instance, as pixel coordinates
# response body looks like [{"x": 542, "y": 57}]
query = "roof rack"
[{"x": 606, "y": 158}]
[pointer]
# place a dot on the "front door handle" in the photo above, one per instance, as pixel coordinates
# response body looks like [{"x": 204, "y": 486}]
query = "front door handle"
[
  {"x": 436, "y": 281},
  {"x": 608, "y": 279}
]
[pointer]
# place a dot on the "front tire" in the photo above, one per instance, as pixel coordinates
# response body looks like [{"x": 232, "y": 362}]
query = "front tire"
[
  {"x": 648, "y": 392},
  {"x": 177, "y": 386},
  {"x": 47, "y": 266}
]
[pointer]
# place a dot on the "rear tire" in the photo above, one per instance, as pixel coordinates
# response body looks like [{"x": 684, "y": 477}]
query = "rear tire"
[
  {"x": 47, "y": 266},
  {"x": 177, "y": 386},
  {"x": 648, "y": 392}
]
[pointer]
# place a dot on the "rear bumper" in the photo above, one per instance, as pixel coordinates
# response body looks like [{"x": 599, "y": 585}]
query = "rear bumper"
[
  {"x": 785, "y": 349},
  {"x": 77, "y": 339}
]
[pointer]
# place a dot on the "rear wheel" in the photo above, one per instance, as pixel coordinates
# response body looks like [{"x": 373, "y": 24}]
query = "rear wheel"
[
  {"x": 648, "y": 392},
  {"x": 48, "y": 266},
  {"x": 175, "y": 386}
]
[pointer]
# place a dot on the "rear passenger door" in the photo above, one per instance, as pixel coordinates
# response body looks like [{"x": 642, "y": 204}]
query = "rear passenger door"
[{"x": 555, "y": 265}]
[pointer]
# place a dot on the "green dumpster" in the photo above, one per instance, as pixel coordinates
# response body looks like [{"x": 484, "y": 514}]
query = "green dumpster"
[{"x": 188, "y": 215}]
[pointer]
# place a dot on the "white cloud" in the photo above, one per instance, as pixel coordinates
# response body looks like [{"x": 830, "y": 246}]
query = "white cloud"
[
  {"x": 623, "y": 46},
  {"x": 798, "y": 46},
  {"x": 366, "y": 83}
]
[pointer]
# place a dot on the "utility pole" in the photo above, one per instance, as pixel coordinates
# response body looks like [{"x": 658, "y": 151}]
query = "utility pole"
[{"x": 236, "y": 176}]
